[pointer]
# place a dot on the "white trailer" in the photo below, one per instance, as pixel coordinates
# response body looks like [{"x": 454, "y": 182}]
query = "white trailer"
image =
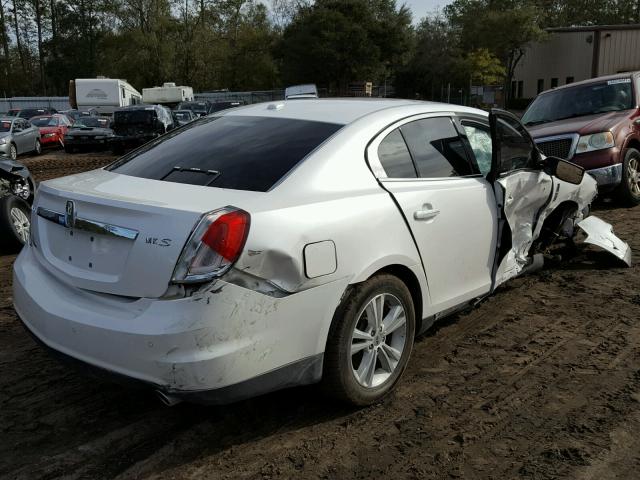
[
  {"x": 167, "y": 94},
  {"x": 103, "y": 94}
]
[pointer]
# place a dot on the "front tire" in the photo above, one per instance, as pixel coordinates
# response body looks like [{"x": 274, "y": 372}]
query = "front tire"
[
  {"x": 629, "y": 190},
  {"x": 37, "y": 148},
  {"x": 370, "y": 341},
  {"x": 13, "y": 151},
  {"x": 15, "y": 223}
]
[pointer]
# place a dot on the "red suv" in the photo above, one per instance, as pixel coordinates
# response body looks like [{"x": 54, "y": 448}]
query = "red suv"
[{"x": 595, "y": 124}]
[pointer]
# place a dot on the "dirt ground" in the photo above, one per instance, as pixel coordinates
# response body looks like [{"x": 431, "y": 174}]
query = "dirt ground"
[{"x": 540, "y": 381}]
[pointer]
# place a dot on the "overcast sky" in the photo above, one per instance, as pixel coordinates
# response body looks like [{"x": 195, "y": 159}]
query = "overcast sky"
[{"x": 421, "y": 7}]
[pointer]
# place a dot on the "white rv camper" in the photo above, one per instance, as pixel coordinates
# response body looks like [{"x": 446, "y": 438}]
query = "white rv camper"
[
  {"x": 167, "y": 94},
  {"x": 103, "y": 94}
]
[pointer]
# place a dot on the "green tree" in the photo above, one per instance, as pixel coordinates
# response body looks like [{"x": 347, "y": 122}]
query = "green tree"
[
  {"x": 335, "y": 42},
  {"x": 436, "y": 63},
  {"x": 484, "y": 67},
  {"x": 503, "y": 27}
]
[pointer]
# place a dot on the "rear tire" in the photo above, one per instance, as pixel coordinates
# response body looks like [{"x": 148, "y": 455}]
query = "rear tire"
[
  {"x": 15, "y": 223},
  {"x": 628, "y": 192},
  {"x": 366, "y": 352}
]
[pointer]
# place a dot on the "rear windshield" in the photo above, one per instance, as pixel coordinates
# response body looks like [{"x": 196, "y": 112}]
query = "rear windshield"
[
  {"x": 129, "y": 117},
  {"x": 91, "y": 122},
  {"x": 237, "y": 152},
  {"x": 28, "y": 113},
  {"x": 44, "y": 121}
]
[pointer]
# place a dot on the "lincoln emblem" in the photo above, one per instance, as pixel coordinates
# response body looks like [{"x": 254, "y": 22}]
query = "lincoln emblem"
[{"x": 70, "y": 215}]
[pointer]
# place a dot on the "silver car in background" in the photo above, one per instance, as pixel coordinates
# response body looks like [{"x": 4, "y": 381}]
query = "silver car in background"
[{"x": 18, "y": 136}]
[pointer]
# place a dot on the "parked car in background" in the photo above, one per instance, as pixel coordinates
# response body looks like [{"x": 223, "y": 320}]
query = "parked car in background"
[
  {"x": 289, "y": 243},
  {"x": 53, "y": 129},
  {"x": 199, "y": 108},
  {"x": 135, "y": 125},
  {"x": 88, "y": 133},
  {"x": 182, "y": 117},
  {"x": 218, "y": 106},
  {"x": 18, "y": 136},
  {"x": 17, "y": 189},
  {"x": 32, "y": 112},
  {"x": 75, "y": 114},
  {"x": 13, "y": 112},
  {"x": 595, "y": 124}
]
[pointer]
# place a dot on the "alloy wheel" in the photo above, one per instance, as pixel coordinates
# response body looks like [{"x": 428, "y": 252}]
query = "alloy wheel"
[
  {"x": 13, "y": 152},
  {"x": 378, "y": 340},
  {"x": 633, "y": 176},
  {"x": 21, "y": 223},
  {"x": 38, "y": 147}
]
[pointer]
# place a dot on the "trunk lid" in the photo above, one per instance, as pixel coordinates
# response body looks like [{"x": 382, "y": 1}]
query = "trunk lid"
[{"x": 127, "y": 233}]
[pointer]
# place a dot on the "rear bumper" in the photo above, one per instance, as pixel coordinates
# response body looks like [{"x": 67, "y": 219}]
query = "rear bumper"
[
  {"x": 606, "y": 177},
  {"x": 217, "y": 346},
  {"x": 47, "y": 141}
]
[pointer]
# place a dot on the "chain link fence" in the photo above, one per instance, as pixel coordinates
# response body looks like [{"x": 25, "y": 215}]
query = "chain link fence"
[{"x": 58, "y": 103}]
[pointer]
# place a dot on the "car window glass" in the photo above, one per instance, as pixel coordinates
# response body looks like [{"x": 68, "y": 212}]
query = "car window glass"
[
  {"x": 395, "y": 157},
  {"x": 238, "y": 152},
  {"x": 480, "y": 140},
  {"x": 516, "y": 148},
  {"x": 581, "y": 100},
  {"x": 436, "y": 148}
]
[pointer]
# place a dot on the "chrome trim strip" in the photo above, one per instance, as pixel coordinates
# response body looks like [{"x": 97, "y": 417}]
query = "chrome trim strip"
[
  {"x": 89, "y": 225},
  {"x": 574, "y": 141}
]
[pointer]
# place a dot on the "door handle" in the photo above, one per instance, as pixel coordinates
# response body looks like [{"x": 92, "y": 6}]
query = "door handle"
[{"x": 427, "y": 214}]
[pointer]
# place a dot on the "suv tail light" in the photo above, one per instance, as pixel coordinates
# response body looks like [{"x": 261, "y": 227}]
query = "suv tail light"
[{"x": 214, "y": 246}]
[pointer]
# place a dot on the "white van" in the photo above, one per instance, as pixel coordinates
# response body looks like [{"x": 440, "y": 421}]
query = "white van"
[{"x": 103, "y": 94}]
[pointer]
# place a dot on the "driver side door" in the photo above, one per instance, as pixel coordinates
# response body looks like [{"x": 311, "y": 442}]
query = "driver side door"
[{"x": 522, "y": 190}]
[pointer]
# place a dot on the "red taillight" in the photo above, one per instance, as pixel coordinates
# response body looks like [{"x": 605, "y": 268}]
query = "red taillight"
[
  {"x": 214, "y": 245},
  {"x": 227, "y": 234}
]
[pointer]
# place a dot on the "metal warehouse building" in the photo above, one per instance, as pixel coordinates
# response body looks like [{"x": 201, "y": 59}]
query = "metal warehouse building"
[{"x": 576, "y": 53}]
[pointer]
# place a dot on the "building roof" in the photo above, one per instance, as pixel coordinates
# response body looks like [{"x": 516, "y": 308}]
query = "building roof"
[{"x": 594, "y": 28}]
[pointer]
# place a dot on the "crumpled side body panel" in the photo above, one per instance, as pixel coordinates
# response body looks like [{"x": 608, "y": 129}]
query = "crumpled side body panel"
[
  {"x": 528, "y": 198},
  {"x": 600, "y": 233}
]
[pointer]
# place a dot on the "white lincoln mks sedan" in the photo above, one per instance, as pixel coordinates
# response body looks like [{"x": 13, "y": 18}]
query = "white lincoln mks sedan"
[{"x": 282, "y": 244}]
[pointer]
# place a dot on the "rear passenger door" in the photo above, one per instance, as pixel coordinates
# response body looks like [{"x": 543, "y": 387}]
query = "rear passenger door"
[{"x": 450, "y": 208}]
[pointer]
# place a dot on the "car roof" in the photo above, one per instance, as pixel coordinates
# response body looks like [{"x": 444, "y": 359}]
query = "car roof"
[
  {"x": 139, "y": 106},
  {"x": 337, "y": 110},
  {"x": 589, "y": 81}
]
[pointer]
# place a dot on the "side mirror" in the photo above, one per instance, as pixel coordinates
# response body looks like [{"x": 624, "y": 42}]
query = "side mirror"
[{"x": 564, "y": 170}]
